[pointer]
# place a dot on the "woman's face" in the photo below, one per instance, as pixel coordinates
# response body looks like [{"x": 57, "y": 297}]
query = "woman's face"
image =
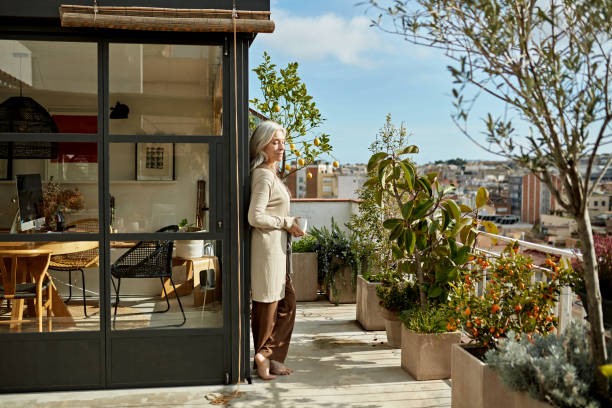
[{"x": 275, "y": 149}]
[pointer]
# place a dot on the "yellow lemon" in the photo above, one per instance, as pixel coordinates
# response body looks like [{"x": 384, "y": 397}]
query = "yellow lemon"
[
  {"x": 297, "y": 153},
  {"x": 291, "y": 146},
  {"x": 309, "y": 175},
  {"x": 336, "y": 164},
  {"x": 276, "y": 108},
  {"x": 317, "y": 142},
  {"x": 301, "y": 161},
  {"x": 287, "y": 167}
]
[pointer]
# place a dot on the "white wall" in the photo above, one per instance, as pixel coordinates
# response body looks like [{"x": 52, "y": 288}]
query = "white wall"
[{"x": 319, "y": 212}]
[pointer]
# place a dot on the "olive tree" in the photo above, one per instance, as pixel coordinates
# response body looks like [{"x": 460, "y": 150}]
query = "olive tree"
[
  {"x": 548, "y": 63},
  {"x": 286, "y": 101}
]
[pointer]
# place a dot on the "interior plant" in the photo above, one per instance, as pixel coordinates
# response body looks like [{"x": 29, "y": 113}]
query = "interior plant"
[
  {"x": 335, "y": 248},
  {"x": 511, "y": 300},
  {"x": 555, "y": 369}
]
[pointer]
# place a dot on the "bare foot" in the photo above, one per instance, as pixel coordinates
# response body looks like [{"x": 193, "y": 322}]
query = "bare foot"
[
  {"x": 263, "y": 367},
  {"x": 279, "y": 368}
]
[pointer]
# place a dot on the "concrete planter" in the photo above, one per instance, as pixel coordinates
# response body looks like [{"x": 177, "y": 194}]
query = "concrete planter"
[
  {"x": 428, "y": 356},
  {"x": 304, "y": 279},
  {"x": 393, "y": 326},
  {"x": 345, "y": 290},
  {"x": 367, "y": 309},
  {"x": 475, "y": 385}
]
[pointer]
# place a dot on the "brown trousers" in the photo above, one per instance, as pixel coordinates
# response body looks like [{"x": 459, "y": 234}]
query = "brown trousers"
[{"x": 272, "y": 325}]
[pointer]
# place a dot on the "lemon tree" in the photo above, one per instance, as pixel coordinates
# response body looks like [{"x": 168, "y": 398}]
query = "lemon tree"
[{"x": 285, "y": 100}]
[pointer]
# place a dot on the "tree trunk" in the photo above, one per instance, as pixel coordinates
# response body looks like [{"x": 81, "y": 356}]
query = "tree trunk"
[{"x": 593, "y": 298}]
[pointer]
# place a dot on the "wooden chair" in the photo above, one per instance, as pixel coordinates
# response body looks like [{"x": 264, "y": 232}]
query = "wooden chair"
[
  {"x": 24, "y": 276},
  {"x": 77, "y": 261}
]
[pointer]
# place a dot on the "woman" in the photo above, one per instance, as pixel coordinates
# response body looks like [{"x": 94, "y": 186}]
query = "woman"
[{"x": 273, "y": 298}]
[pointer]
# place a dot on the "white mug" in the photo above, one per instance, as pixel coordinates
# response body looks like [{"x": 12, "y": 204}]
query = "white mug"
[{"x": 302, "y": 223}]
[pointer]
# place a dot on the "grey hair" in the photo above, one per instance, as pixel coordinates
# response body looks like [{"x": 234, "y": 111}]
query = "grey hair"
[{"x": 262, "y": 135}]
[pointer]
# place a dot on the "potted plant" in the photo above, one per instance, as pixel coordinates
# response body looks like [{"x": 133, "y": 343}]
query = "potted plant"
[
  {"x": 547, "y": 370},
  {"x": 511, "y": 301},
  {"x": 396, "y": 293},
  {"x": 191, "y": 248},
  {"x": 372, "y": 240},
  {"x": 305, "y": 271},
  {"x": 430, "y": 234},
  {"x": 426, "y": 342},
  {"x": 338, "y": 262}
]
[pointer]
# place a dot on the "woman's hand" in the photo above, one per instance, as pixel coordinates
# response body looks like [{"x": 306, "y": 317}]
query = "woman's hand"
[{"x": 295, "y": 230}]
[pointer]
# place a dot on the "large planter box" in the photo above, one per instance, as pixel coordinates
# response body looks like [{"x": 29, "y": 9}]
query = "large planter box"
[
  {"x": 428, "y": 356},
  {"x": 475, "y": 385},
  {"x": 393, "y": 326},
  {"x": 345, "y": 289},
  {"x": 367, "y": 309},
  {"x": 304, "y": 279}
]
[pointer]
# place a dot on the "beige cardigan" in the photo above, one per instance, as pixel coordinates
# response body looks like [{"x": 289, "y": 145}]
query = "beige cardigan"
[{"x": 269, "y": 217}]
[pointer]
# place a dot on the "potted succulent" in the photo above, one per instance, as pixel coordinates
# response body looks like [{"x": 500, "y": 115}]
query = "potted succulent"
[
  {"x": 511, "y": 301},
  {"x": 426, "y": 342},
  {"x": 305, "y": 271},
  {"x": 338, "y": 262}
]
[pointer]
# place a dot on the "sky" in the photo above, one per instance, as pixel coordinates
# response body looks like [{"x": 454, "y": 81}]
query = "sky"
[{"x": 357, "y": 75}]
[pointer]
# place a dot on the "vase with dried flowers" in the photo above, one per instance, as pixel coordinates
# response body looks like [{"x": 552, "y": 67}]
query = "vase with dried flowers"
[{"x": 57, "y": 199}]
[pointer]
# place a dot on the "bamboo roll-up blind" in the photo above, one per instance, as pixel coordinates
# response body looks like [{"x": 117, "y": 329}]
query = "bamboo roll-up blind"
[{"x": 165, "y": 19}]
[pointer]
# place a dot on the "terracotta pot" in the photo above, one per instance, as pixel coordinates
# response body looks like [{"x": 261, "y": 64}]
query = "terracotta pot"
[
  {"x": 427, "y": 356},
  {"x": 367, "y": 310}
]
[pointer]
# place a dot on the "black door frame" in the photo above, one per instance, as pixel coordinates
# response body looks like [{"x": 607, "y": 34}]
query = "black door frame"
[{"x": 102, "y": 353}]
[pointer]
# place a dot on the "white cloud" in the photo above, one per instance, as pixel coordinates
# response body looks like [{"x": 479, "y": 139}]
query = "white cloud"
[{"x": 350, "y": 41}]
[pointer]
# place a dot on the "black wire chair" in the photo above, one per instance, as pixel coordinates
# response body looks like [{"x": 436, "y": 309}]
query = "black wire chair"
[{"x": 147, "y": 259}]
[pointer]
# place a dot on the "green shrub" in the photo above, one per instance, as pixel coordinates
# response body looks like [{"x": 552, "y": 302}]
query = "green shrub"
[
  {"x": 430, "y": 320},
  {"x": 305, "y": 244},
  {"x": 397, "y": 294},
  {"x": 335, "y": 248}
]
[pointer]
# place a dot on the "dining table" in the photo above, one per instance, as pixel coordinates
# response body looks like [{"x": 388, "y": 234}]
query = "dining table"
[{"x": 58, "y": 307}]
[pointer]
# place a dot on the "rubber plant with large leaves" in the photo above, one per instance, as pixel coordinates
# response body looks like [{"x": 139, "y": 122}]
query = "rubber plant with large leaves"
[{"x": 433, "y": 238}]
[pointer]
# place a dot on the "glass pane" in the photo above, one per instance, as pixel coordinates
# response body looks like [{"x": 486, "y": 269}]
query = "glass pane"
[
  {"x": 165, "y": 89},
  {"x": 159, "y": 184},
  {"x": 49, "y": 186},
  {"x": 74, "y": 295},
  {"x": 144, "y": 302},
  {"x": 48, "y": 87}
]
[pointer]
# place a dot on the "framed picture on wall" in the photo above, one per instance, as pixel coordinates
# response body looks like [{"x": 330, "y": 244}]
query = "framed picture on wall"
[{"x": 154, "y": 161}]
